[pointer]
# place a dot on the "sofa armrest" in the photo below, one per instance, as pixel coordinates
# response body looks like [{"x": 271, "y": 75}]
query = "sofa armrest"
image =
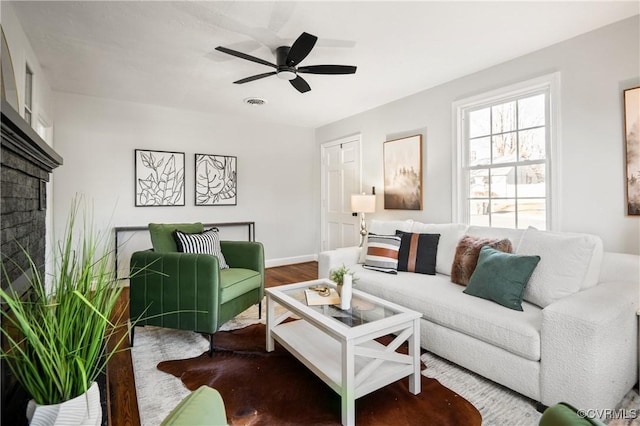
[
  {"x": 330, "y": 259},
  {"x": 176, "y": 290},
  {"x": 590, "y": 346}
]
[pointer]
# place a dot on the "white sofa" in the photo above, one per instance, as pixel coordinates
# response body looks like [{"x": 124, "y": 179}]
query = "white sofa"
[{"x": 581, "y": 348}]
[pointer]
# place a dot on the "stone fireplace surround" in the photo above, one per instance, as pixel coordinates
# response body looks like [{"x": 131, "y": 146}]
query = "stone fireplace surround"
[{"x": 26, "y": 163}]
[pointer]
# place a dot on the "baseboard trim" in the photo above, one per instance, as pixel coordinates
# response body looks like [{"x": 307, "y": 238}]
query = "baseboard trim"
[{"x": 290, "y": 260}]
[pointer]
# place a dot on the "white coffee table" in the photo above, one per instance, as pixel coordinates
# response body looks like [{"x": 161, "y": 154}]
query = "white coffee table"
[{"x": 339, "y": 347}]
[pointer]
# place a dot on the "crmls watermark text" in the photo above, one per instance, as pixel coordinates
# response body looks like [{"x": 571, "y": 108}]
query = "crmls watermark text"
[{"x": 609, "y": 414}]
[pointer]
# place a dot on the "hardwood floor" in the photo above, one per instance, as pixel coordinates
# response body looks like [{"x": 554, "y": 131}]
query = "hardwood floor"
[{"x": 121, "y": 388}]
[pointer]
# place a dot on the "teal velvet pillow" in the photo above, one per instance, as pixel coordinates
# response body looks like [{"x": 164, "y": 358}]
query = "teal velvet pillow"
[
  {"x": 501, "y": 277},
  {"x": 162, "y": 235}
]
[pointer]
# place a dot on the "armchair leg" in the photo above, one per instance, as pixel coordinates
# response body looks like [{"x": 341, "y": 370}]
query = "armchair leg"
[
  {"x": 132, "y": 334},
  {"x": 260, "y": 310},
  {"x": 211, "y": 345}
]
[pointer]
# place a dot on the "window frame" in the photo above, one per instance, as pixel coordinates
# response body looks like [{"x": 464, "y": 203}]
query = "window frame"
[
  {"x": 550, "y": 84},
  {"x": 28, "y": 94}
]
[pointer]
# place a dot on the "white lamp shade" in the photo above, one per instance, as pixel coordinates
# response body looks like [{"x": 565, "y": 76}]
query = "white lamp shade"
[{"x": 361, "y": 203}]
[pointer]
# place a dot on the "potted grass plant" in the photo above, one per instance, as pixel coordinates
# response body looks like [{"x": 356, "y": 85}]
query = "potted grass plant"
[{"x": 55, "y": 336}]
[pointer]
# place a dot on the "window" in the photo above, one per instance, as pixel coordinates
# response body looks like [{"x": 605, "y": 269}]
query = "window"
[
  {"x": 28, "y": 94},
  {"x": 504, "y": 155}
]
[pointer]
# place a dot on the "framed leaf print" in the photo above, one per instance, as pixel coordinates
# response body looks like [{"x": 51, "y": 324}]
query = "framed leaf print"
[
  {"x": 159, "y": 178},
  {"x": 216, "y": 180}
]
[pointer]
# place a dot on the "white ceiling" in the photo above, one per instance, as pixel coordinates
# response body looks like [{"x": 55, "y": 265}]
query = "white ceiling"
[{"x": 163, "y": 52}]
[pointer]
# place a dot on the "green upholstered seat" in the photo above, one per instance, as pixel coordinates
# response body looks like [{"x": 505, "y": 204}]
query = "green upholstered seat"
[
  {"x": 236, "y": 281},
  {"x": 563, "y": 414},
  {"x": 202, "y": 407},
  {"x": 189, "y": 291}
]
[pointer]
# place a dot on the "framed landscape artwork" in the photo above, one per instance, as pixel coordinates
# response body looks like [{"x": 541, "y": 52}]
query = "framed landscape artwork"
[
  {"x": 216, "y": 180},
  {"x": 403, "y": 173},
  {"x": 159, "y": 178},
  {"x": 632, "y": 138}
]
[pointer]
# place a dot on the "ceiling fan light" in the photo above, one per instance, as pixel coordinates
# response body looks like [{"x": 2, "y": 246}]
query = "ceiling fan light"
[{"x": 287, "y": 75}]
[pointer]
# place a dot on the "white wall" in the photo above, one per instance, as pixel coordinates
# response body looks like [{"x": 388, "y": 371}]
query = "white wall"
[
  {"x": 97, "y": 138},
  {"x": 595, "y": 68}
]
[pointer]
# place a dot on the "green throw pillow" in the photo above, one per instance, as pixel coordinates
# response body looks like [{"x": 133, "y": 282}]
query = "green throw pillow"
[
  {"x": 162, "y": 235},
  {"x": 501, "y": 277}
]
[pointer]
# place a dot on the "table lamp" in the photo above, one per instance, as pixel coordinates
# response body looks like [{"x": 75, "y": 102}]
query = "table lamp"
[{"x": 362, "y": 203}]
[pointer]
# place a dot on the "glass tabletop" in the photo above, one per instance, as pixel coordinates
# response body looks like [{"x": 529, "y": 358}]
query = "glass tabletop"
[{"x": 362, "y": 310}]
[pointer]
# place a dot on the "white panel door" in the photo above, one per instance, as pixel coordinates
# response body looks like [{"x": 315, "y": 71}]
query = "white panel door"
[{"x": 340, "y": 179}]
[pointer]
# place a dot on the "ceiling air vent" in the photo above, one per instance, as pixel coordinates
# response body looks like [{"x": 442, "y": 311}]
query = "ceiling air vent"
[{"x": 255, "y": 101}]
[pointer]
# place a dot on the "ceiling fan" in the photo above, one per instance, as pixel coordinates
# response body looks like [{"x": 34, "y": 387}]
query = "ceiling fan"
[{"x": 287, "y": 59}]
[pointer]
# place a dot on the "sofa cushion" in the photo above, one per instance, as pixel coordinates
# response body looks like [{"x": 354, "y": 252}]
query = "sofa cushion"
[
  {"x": 162, "y": 235},
  {"x": 385, "y": 227},
  {"x": 207, "y": 242},
  {"x": 234, "y": 282},
  {"x": 467, "y": 252},
  {"x": 443, "y": 302},
  {"x": 418, "y": 252},
  {"x": 501, "y": 277},
  {"x": 569, "y": 262},
  {"x": 382, "y": 253},
  {"x": 450, "y": 234}
]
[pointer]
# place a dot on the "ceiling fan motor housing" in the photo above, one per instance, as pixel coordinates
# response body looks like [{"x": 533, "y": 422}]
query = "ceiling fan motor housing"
[{"x": 284, "y": 71}]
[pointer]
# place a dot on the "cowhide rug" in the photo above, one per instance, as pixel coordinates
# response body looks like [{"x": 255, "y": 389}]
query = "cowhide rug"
[{"x": 261, "y": 388}]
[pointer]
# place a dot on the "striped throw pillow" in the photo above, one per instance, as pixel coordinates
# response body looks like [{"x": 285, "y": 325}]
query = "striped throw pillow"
[
  {"x": 382, "y": 253},
  {"x": 207, "y": 242},
  {"x": 418, "y": 252}
]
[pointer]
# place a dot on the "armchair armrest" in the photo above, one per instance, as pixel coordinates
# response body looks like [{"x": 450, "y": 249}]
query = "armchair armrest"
[
  {"x": 590, "y": 346},
  {"x": 176, "y": 290},
  {"x": 330, "y": 259},
  {"x": 244, "y": 254}
]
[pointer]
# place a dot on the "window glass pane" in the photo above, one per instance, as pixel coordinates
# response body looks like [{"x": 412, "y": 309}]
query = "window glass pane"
[
  {"x": 503, "y": 182},
  {"x": 479, "y": 151},
  {"x": 532, "y": 144},
  {"x": 478, "y": 183},
  {"x": 28, "y": 87},
  {"x": 531, "y": 111},
  {"x": 503, "y": 213},
  {"x": 503, "y": 117},
  {"x": 479, "y": 123},
  {"x": 532, "y": 212},
  {"x": 479, "y": 212},
  {"x": 504, "y": 148},
  {"x": 531, "y": 181}
]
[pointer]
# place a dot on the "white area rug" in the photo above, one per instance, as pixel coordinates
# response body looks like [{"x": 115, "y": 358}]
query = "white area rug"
[{"x": 158, "y": 392}]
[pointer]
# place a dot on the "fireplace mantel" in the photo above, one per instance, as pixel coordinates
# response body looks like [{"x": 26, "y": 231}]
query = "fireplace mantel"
[{"x": 20, "y": 138}]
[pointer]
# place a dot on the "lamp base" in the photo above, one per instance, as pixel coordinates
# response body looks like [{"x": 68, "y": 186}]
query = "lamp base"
[{"x": 363, "y": 229}]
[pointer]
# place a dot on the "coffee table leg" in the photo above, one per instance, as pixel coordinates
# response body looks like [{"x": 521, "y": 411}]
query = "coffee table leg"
[
  {"x": 270, "y": 319},
  {"x": 414, "y": 352},
  {"x": 348, "y": 384}
]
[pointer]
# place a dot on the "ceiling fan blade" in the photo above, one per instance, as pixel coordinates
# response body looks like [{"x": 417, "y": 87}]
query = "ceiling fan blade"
[
  {"x": 255, "y": 77},
  {"x": 328, "y": 69},
  {"x": 301, "y": 48},
  {"x": 245, "y": 56},
  {"x": 300, "y": 84}
]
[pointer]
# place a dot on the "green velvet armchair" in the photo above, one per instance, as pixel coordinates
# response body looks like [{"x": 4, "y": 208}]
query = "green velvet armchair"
[{"x": 190, "y": 292}]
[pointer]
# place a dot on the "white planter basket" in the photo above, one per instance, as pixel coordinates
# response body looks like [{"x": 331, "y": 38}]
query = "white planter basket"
[{"x": 81, "y": 410}]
